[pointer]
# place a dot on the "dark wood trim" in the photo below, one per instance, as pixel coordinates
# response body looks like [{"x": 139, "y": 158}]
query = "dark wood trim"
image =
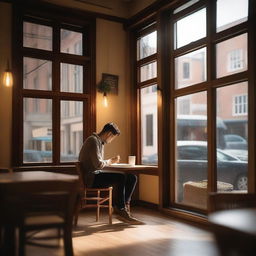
[
  {"x": 17, "y": 133},
  {"x": 252, "y": 98},
  {"x": 211, "y": 97},
  {"x": 201, "y": 43},
  {"x": 147, "y": 83},
  {"x": 147, "y": 60},
  {"x": 172, "y": 118},
  {"x": 230, "y": 33},
  {"x": 194, "y": 218},
  {"x": 148, "y": 13},
  {"x": 163, "y": 101}
]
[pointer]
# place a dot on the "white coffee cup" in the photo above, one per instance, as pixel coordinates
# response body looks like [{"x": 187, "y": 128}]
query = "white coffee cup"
[{"x": 131, "y": 160}]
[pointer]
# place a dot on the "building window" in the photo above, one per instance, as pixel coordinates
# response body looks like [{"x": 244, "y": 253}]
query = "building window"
[
  {"x": 186, "y": 70},
  {"x": 236, "y": 60},
  {"x": 149, "y": 130},
  {"x": 240, "y": 105}
]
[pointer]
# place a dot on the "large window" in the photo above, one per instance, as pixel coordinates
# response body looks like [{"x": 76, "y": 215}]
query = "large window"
[
  {"x": 54, "y": 90},
  {"x": 209, "y": 60},
  {"x": 146, "y": 70}
]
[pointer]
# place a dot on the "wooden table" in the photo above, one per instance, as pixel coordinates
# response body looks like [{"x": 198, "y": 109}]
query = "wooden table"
[
  {"x": 26, "y": 179},
  {"x": 135, "y": 169},
  {"x": 235, "y": 230}
]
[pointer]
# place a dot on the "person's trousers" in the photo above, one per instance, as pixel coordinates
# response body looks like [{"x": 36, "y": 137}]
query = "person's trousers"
[{"x": 123, "y": 185}]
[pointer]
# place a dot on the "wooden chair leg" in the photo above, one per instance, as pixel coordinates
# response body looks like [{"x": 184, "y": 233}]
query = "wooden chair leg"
[
  {"x": 110, "y": 210},
  {"x": 98, "y": 212},
  {"x": 68, "y": 245},
  {"x": 22, "y": 241},
  {"x": 76, "y": 212}
]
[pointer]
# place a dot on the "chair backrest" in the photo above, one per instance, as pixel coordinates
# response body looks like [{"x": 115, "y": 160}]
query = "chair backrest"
[
  {"x": 79, "y": 172},
  {"x": 51, "y": 197},
  {"x": 222, "y": 201}
]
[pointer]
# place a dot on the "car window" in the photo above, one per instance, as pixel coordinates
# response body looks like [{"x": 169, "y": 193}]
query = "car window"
[
  {"x": 192, "y": 153},
  {"x": 224, "y": 157}
]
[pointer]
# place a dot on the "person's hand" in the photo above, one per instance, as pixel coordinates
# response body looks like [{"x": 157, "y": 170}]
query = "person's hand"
[{"x": 115, "y": 159}]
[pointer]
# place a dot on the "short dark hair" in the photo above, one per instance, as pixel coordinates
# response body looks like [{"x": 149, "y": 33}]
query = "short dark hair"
[{"x": 111, "y": 127}]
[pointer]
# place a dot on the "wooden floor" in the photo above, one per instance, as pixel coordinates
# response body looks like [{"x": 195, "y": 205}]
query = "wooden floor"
[{"x": 160, "y": 236}]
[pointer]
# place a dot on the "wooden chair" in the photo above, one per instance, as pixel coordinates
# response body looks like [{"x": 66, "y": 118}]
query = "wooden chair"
[
  {"x": 92, "y": 198},
  {"x": 43, "y": 206},
  {"x": 224, "y": 201}
]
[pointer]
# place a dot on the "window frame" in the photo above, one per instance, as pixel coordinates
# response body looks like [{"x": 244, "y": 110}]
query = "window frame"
[
  {"x": 57, "y": 18},
  {"x": 210, "y": 86},
  {"x": 136, "y": 130}
]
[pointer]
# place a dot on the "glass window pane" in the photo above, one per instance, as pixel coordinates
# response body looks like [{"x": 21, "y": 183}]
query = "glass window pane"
[
  {"x": 71, "y": 78},
  {"x": 148, "y": 71},
  {"x": 37, "y": 74},
  {"x": 191, "y": 150},
  {"x": 190, "y": 28},
  {"x": 232, "y": 137},
  {"x": 231, "y": 56},
  {"x": 37, "y": 130},
  {"x": 37, "y": 36},
  {"x": 71, "y": 128},
  {"x": 190, "y": 68},
  {"x": 146, "y": 45},
  {"x": 71, "y": 42},
  {"x": 231, "y": 13},
  {"x": 148, "y": 99}
]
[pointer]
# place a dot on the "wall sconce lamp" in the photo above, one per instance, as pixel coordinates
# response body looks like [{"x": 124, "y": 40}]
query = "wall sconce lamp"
[
  {"x": 105, "y": 99},
  {"x": 8, "y": 78},
  {"x": 104, "y": 88}
]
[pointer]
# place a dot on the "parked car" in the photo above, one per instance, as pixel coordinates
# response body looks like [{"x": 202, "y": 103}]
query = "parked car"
[
  {"x": 234, "y": 141},
  {"x": 32, "y": 156},
  {"x": 150, "y": 159},
  {"x": 192, "y": 165}
]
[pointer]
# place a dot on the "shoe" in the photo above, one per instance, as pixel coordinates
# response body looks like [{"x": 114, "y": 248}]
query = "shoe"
[{"x": 126, "y": 217}]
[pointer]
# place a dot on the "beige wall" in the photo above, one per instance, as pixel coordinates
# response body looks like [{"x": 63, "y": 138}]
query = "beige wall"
[
  {"x": 149, "y": 188},
  {"x": 5, "y": 93},
  {"x": 111, "y": 58}
]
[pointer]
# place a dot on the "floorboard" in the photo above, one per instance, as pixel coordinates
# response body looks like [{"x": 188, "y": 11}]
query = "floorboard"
[{"x": 160, "y": 236}]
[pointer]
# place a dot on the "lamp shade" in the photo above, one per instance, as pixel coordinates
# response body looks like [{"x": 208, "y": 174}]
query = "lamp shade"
[
  {"x": 105, "y": 100},
  {"x": 8, "y": 79}
]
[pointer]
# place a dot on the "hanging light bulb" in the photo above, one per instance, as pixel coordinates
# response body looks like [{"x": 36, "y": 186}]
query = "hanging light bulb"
[
  {"x": 105, "y": 100},
  {"x": 8, "y": 79}
]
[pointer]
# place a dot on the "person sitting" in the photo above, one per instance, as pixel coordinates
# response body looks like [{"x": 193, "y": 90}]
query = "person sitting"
[{"x": 92, "y": 161}]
